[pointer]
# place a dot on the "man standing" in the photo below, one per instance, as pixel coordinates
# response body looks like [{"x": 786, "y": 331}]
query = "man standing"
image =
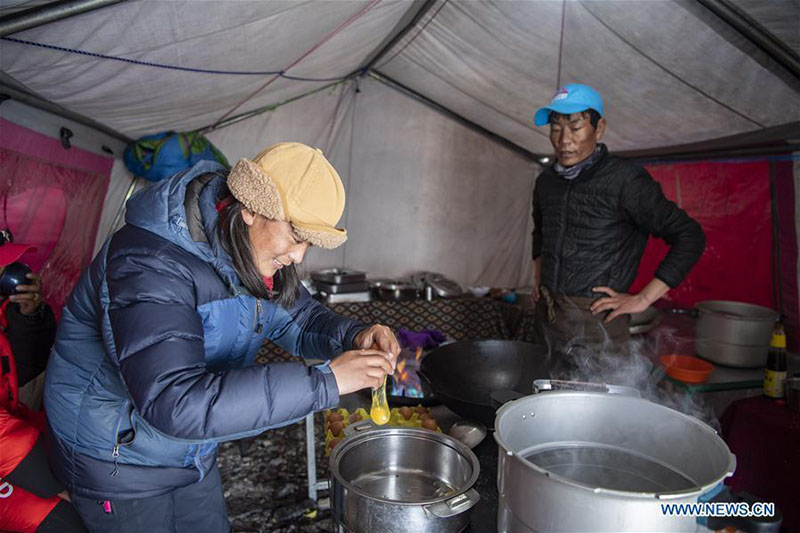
[{"x": 593, "y": 213}]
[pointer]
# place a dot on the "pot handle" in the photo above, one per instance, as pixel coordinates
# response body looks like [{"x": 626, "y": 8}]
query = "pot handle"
[
  {"x": 358, "y": 427},
  {"x": 544, "y": 385},
  {"x": 453, "y": 506},
  {"x": 753, "y": 524}
]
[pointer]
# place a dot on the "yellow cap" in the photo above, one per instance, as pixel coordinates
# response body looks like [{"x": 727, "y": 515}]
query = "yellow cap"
[
  {"x": 778, "y": 339},
  {"x": 295, "y": 183}
]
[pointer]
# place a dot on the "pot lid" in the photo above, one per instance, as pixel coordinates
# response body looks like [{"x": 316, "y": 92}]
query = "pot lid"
[{"x": 443, "y": 286}]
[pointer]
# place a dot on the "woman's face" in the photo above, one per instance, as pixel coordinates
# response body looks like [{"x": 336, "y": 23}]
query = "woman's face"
[{"x": 274, "y": 243}]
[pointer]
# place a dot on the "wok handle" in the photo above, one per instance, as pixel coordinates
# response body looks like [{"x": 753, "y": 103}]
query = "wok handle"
[{"x": 453, "y": 506}]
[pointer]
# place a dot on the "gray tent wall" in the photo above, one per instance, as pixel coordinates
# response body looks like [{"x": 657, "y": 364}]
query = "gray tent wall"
[{"x": 424, "y": 192}]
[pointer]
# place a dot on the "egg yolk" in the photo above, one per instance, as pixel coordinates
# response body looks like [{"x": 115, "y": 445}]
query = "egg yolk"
[{"x": 379, "y": 414}]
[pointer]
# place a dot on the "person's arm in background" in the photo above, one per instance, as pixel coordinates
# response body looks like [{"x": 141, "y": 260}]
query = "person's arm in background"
[
  {"x": 537, "y": 246},
  {"x": 31, "y": 329},
  {"x": 645, "y": 203}
]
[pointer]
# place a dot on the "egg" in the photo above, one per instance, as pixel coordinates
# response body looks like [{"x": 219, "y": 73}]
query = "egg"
[
  {"x": 355, "y": 417},
  {"x": 406, "y": 412},
  {"x": 426, "y": 416},
  {"x": 336, "y": 428},
  {"x": 332, "y": 444},
  {"x": 334, "y": 417},
  {"x": 429, "y": 423},
  {"x": 420, "y": 410}
]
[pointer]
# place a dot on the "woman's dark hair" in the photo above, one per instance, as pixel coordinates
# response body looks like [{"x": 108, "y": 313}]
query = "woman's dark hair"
[
  {"x": 594, "y": 117},
  {"x": 235, "y": 239}
]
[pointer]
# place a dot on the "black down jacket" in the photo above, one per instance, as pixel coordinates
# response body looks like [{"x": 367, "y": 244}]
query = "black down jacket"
[{"x": 592, "y": 230}]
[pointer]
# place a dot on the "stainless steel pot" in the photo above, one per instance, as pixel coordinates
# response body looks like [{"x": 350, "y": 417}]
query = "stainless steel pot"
[
  {"x": 397, "y": 291},
  {"x": 587, "y": 461},
  {"x": 402, "y": 479},
  {"x": 734, "y": 333}
]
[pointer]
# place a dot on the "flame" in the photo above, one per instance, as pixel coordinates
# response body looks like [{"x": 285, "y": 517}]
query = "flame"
[{"x": 418, "y": 354}]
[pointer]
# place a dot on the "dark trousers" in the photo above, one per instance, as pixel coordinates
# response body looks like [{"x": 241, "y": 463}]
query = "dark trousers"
[
  {"x": 197, "y": 508},
  {"x": 567, "y": 321}
]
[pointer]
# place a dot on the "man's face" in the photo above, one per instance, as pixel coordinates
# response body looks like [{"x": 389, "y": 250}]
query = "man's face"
[
  {"x": 274, "y": 243},
  {"x": 574, "y": 138}
]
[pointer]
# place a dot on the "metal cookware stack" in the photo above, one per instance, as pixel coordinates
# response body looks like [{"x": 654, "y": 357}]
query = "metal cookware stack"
[{"x": 338, "y": 285}]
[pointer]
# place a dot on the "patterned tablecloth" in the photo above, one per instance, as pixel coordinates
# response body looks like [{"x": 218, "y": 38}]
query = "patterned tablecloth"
[{"x": 464, "y": 318}]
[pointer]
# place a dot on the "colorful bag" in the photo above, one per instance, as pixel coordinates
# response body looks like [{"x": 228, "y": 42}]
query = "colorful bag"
[{"x": 159, "y": 156}]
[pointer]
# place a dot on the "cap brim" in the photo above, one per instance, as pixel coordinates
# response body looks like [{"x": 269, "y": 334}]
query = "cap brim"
[
  {"x": 542, "y": 115},
  {"x": 11, "y": 252},
  {"x": 322, "y": 236}
]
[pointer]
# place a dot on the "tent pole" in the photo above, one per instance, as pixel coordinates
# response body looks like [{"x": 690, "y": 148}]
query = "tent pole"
[
  {"x": 452, "y": 114},
  {"x": 45, "y": 105},
  {"x": 387, "y": 45},
  {"x": 754, "y": 33},
  {"x": 31, "y": 18}
]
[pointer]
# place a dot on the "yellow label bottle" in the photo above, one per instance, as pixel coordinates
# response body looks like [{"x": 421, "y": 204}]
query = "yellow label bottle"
[{"x": 775, "y": 372}]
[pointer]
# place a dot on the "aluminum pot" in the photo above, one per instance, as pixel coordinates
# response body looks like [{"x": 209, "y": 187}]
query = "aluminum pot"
[
  {"x": 587, "y": 461},
  {"x": 402, "y": 479},
  {"x": 734, "y": 333}
]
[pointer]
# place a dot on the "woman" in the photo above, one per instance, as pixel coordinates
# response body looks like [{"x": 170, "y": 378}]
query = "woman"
[{"x": 154, "y": 359}]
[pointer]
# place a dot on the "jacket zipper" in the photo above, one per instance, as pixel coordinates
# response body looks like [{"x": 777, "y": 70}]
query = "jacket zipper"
[
  {"x": 560, "y": 240},
  {"x": 115, "y": 449},
  {"x": 257, "y": 326}
]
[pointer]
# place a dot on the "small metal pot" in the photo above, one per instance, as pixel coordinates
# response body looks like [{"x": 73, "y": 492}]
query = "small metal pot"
[
  {"x": 734, "y": 333},
  {"x": 400, "y": 292},
  {"x": 403, "y": 479}
]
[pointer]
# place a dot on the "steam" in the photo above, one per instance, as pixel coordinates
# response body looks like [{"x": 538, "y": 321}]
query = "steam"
[{"x": 590, "y": 356}]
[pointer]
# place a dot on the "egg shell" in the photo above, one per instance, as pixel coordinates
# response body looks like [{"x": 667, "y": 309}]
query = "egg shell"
[
  {"x": 406, "y": 412},
  {"x": 429, "y": 423},
  {"x": 336, "y": 428},
  {"x": 355, "y": 417},
  {"x": 420, "y": 410},
  {"x": 333, "y": 416},
  {"x": 332, "y": 444}
]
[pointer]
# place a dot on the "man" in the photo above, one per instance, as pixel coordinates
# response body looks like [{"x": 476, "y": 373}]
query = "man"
[
  {"x": 153, "y": 364},
  {"x": 593, "y": 213}
]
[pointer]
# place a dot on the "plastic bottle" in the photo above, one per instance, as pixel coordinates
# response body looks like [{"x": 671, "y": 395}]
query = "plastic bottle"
[{"x": 775, "y": 372}]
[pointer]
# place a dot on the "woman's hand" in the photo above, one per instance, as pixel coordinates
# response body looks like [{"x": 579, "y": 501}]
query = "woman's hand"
[
  {"x": 379, "y": 338},
  {"x": 29, "y": 297},
  {"x": 359, "y": 369}
]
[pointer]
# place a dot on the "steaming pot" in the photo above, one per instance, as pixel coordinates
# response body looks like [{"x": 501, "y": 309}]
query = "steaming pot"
[{"x": 588, "y": 461}]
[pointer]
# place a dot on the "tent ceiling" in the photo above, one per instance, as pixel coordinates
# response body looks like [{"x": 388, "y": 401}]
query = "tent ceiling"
[{"x": 669, "y": 74}]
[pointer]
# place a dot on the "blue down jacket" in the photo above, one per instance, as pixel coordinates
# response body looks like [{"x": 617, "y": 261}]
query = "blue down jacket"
[{"x": 153, "y": 363}]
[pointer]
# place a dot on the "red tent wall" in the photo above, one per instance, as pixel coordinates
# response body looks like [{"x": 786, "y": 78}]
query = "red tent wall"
[
  {"x": 731, "y": 201},
  {"x": 51, "y": 197}
]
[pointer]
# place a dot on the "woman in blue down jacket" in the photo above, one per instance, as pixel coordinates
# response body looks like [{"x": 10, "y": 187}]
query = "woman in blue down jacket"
[{"x": 153, "y": 363}]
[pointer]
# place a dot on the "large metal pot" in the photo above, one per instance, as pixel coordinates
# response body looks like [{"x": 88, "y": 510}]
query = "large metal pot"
[
  {"x": 402, "y": 479},
  {"x": 734, "y": 333},
  {"x": 586, "y": 461}
]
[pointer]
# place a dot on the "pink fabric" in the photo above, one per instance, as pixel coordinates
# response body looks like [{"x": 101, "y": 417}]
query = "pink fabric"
[
  {"x": 731, "y": 201},
  {"x": 51, "y": 197}
]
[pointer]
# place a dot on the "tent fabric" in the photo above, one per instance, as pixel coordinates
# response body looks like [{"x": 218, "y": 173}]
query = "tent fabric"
[
  {"x": 494, "y": 62},
  {"x": 246, "y": 36},
  {"x": 787, "y": 182},
  {"x": 668, "y": 73},
  {"x": 52, "y": 199},
  {"x": 423, "y": 192},
  {"x": 731, "y": 201}
]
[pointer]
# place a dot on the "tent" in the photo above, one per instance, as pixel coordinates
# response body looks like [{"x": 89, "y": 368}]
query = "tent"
[{"x": 425, "y": 107}]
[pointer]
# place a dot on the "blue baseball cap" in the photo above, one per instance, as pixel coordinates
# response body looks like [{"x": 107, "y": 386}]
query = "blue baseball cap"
[{"x": 571, "y": 98}]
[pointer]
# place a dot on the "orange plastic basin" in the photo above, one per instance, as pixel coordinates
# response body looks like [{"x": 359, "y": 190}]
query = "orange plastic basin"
[{"x": 686, "y": 368}]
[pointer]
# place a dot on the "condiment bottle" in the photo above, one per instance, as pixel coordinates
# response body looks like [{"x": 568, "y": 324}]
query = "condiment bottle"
[{"x": 775, "y": 372}]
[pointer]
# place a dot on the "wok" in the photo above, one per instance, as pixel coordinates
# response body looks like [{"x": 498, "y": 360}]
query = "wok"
[{"x": 463, "y": 375}]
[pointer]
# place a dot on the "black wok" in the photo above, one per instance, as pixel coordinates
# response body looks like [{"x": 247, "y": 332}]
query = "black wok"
[{"x": 463, "y": 375}]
